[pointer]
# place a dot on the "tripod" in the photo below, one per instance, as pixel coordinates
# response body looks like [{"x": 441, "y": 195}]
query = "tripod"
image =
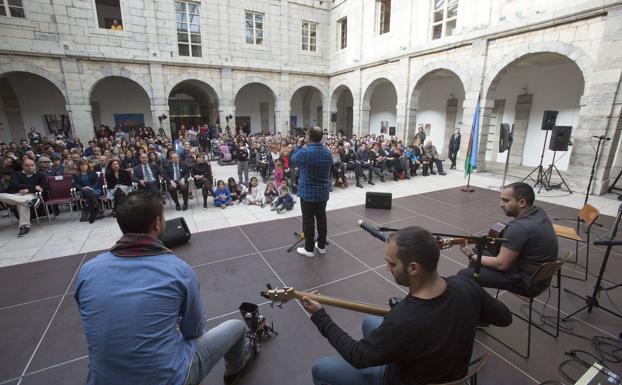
[
  {"x": 549, "y": 173},
  {"x": 301, "y": 238},
  {"x": 592, "y": 301},
  {"x": 540, "y": 179}
]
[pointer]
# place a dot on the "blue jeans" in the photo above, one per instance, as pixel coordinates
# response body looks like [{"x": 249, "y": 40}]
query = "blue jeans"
[
  {"x": 337, "y": 371},
  {"x": 227, "y": 339}
]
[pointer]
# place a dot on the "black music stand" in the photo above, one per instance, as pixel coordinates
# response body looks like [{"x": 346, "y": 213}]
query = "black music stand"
[{"x": 592, "y": 301}]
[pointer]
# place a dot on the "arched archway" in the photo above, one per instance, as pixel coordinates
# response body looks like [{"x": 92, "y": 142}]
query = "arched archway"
[
  {"x": 519, "y": 94},
  {"x": 379, "y": 108},
  {"x": 341, "y": 110},
  {"x": 192, "y": 103},
  {"x": 119, "y": 101},
  {"x": 436, "y": 106},
  {"x": 306, "y": 109},
  {"x": 255, "y": 108},
  {"x": 30, "y": 100}
]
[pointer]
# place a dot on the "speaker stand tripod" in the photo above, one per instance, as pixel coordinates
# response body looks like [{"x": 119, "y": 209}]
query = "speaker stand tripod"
[
  {"x": 549, "y": 173},
  {"x": 540, "y": 176},
  {"x": 301, "y": 238}
]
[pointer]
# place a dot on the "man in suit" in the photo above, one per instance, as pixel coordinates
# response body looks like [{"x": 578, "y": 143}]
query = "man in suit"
[
  {"x": 146, "y": 175},
  {"x": 454, "y": 147},
  {"x": 364, "y": 160},
  {"x": 102, "y": 165},
  {"x": 175, "y": 174},
  {"x": 348, "y": 157}
]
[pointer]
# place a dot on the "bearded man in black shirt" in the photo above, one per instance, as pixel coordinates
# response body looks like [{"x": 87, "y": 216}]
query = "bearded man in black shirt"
[{"x": 426, "y": 338}]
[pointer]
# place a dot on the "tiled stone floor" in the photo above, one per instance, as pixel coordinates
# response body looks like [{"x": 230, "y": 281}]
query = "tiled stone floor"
[{"x": 41, "y": 337}]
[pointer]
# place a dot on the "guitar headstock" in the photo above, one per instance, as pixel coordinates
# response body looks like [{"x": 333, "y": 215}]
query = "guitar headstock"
[
  {"x": 444, "y": 243},
  {"x": 279, "y": 295}
]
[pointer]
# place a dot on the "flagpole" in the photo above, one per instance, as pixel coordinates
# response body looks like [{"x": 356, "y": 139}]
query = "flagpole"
[
  {"x": 471, "y": 160},
  {"x": 467, "y": 188}
]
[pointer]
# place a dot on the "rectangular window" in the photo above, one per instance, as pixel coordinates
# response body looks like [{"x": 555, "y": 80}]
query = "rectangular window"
[
  {"x": 109, "y": 14},
  {"x": 12, "y": 8},
  {"x": 188, "y": 22},
  {"x": 254, "y": 28},
  {"x": 384, "y": 16},
  {"x": 309, "y": 36},
  {"x": 342, "y": 30},
  {"x": 444, "y": 18}
]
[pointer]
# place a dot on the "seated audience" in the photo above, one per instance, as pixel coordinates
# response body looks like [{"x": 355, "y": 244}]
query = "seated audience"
[
  {"x": 21, "y": 193},
  {"x": 253, "y": 194},
  {"x": 119, "y": 184},
  {"x": 175, "y": 174},
  {"x": 146, "y": 175},
  {"x": 237, "y": 194},
  {"x": 284, "y": 202},
  {"x": 202, "y": 175},
  {"x": 222, "y": 196},
  {"x": 86, "y": 183},
  {"x": 270, "y": 193}
]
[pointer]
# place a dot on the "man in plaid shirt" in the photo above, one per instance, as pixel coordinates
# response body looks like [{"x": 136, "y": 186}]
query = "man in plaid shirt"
[{"x": 314, "y": 162}]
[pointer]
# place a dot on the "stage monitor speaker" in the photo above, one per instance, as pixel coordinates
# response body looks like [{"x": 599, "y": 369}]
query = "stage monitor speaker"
[
  {"x": 333, "y": 117},
  {"x": 378, "y": 200},
  {"x": 392, "y": 131},
  {"x": 549, "y": 119},
  {"x": 505, "y": 137},
  {"x": 560, "y": 138},
  {"x": 176, "y": 232}
]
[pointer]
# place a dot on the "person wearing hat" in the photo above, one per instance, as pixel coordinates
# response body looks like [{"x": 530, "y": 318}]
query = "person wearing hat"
[
  {"x": 57, "y": 168},
  {"x": 44, "y": 164}
]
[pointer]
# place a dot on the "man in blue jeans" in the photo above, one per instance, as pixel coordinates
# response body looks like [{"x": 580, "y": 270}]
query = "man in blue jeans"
[
  {"x": 314, "y": 162},
  {"x": 142, "y": 312},
  {"x": 427, "y": 338}
]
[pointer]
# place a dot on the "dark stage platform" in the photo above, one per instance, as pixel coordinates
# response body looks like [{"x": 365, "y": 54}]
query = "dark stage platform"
[{"x": 41, "y": 336}]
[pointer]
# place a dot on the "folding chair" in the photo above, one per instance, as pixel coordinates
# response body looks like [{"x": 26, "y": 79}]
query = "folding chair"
[
  {"x": 588, "y": 214},
  {"x": 544, "y": 273},
  {"x": 59, "y": 192},
  {"x": 474, "y": 367}
]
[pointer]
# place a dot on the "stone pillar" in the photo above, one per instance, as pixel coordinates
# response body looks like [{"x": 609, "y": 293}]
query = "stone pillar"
[
  {"x": 401, "y": 91},
  {"x": 364, "y": 122},
  {"x": 282, "y": 106},
  {"x": 81, "y": 121},
  {"x": 451, "y": 112},
  {"x": 226, "y": 105},
  {"x": 157, "y": 111},
  {"x": 412, "y": 125}
]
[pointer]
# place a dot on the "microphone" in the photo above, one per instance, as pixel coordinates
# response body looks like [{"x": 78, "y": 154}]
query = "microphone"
[
  {"x": 373, "y": 230},
  {"x": 602, "y": 137}
]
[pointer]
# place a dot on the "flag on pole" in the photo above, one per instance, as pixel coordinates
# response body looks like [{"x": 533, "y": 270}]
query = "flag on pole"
[{"x": 470, "y": 163}]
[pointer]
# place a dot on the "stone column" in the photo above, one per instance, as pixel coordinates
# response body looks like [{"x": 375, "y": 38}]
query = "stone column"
[
  {"x": 282, "y": 107},
  {"x": 226, "y": 105},
  {"x": 521, "y": 123},
  {"x": 81, "y": 121},
  {"x": 362, "y": 128},
  {"x": 451, "y": 112}
]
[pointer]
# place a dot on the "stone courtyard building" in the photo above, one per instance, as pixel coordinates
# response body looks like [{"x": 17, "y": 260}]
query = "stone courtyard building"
[{"x": 352, "y": 66}]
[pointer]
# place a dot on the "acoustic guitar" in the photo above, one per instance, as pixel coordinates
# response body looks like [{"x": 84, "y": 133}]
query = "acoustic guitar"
[
  {"x": 280, "y": 296},
  {"x": 494, "y": 246}
]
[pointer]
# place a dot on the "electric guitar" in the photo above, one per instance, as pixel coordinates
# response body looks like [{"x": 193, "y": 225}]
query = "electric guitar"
[{"x": 280, "y": 296}]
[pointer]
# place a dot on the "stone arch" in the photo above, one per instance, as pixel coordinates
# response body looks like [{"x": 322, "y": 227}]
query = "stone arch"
[
  {"x": 321, "y": 88},
  {"x": 175, "y": 80},
  {"x": 255, "y": 79},
  {"x": 577, "y": 55},
  {"x": 332, "y": 101},
  {"x": 429, "y": 69},
  {"x": 372, "y": 84},
  {"x": 21, "y": 66},
  {"x": 105, "y": 72}
]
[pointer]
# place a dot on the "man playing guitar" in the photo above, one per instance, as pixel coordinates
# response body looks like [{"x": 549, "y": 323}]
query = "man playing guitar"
[{"x": 426, "y": 338}]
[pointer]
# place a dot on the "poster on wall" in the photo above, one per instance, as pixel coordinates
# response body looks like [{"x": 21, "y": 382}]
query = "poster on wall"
[
  {"x": 428, "y": 128},
  {"x": 384, "y": 127},
  {"x": 58, "y": 125},
  {"x": 129, "y": 121}
]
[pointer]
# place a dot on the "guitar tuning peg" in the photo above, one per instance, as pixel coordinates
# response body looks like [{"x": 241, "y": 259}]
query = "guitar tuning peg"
[{"x": 269, "y": 286}]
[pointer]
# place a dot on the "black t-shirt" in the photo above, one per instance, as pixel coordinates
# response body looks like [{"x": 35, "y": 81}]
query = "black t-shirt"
[
  {"x": 422, "y": 341},
  {"x": 533, "y": 236}
]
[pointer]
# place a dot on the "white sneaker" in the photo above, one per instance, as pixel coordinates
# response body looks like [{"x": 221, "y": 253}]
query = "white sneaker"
[
  {"x": 321, "y": 251},
  {"x": 303, "y": 251}
]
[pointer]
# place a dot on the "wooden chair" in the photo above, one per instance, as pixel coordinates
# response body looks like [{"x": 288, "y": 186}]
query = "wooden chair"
[
  {"x": 588, "y": 214},
  {"x": 474, "y": 367},
  {"x": 544, "y": 273}
]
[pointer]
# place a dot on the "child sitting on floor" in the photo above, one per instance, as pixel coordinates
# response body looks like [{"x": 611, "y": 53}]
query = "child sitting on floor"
[
  {"x": 253, "y": 195},
  {"x": 270, "y": 193},
  {"x": 284, "y": 201},
  {"x": 283, "y": 184},
  {"x": 222, "y": 196},
  {"x": 237, "y": 195}
]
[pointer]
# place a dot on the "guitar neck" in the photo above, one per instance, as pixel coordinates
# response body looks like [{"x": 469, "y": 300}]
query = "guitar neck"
[{"x": 344, "y": 304}]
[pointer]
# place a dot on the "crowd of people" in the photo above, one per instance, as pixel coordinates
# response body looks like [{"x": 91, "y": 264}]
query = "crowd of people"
[{"x": 118, "y": 161}]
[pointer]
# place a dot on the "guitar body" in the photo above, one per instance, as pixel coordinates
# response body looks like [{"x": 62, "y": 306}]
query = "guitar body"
[{"x": 496, "y": 231}]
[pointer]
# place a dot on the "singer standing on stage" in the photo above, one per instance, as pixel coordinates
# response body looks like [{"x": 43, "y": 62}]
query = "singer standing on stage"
[{"x": 314, "y": 162}]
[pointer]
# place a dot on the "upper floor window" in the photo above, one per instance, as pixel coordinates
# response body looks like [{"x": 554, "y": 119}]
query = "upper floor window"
[
  {"x": 188, "y": 28},
  {"x": 254, "y": 28},
  {"x": 444, "y": 17},
  {"x": 384, "y": 16},
  {"x": 109, "y": 14},
  {"x": 309, "y": 36},
  {"x": 342, "y": 30},
  {"x": 12, "y": 8}
]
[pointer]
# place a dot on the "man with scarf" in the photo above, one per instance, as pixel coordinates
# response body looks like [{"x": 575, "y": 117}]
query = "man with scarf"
[{"x": 142, "y": 312}]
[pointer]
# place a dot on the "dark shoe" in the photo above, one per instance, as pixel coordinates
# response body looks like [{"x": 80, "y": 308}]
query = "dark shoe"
[
  {"x": 91, "y": 218},
  {"x": 396, "y": 178},
  {"x": 382, "y": 179},
  {"x": 443, "y": 173},
  {"x": 359, "y": 185},
  {"x": 23, "y": 231},
  {"x": 185, "y": 207},
  {"x": 178, "y": 207},
  {"x": 371, "y": 183},
  {"x": 433, "y": 173}
]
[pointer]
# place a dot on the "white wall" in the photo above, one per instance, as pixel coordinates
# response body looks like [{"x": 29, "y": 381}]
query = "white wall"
[
  {"x": 36, "y": 97},
  {"x": 554, "y": 87},
  {"x": 383, "y": 108},
  {"x": 297, "y": 108},
  {"x": 121, "y": 96},
  {"x": 247, "y": 104},
  {"x": 433, "y": 98}
]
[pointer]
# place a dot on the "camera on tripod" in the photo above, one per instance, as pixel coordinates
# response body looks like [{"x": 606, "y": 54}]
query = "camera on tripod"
[{"x": 258, "y": 329}]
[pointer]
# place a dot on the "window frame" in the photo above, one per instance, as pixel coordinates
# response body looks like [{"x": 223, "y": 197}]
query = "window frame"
[
  {"x": 255, "y": 29},
  {"x": 7, "y": 10},
  {"x": 381, "y": 12},
  {"x": 307, "y": 39},
  {"x": 189, "y": 33},
  {"x": 96, "y": 16},
  {"x": 444, "y": 19},
  {"x": 341, "y": 31}
]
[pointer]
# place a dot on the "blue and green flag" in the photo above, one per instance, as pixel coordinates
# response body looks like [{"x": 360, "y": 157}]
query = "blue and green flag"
[{"x": 470, "y": 163}]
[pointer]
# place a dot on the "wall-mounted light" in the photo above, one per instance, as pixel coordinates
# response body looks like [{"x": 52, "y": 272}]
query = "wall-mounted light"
[{"x": 162, "y": 117}]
